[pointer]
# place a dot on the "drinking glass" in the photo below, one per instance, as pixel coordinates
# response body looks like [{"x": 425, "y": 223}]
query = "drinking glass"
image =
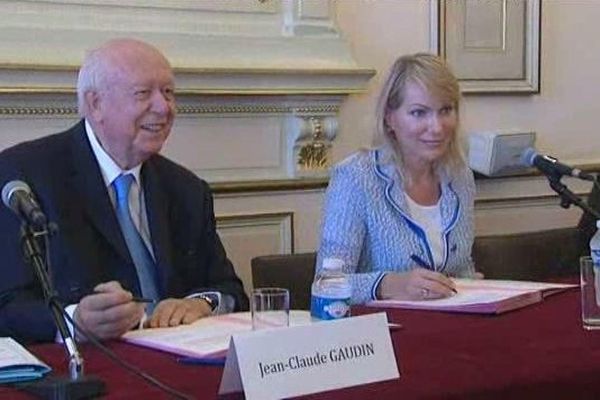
[
  {"x": 590, "y": 293},
  {"x": 270, "y": 308}
]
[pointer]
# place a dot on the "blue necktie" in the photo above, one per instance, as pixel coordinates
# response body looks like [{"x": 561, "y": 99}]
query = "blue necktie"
[{"x": 144, "y": 264}]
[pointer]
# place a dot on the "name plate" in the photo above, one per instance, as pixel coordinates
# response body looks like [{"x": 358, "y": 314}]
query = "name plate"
[{"x": 287, "y": 362}]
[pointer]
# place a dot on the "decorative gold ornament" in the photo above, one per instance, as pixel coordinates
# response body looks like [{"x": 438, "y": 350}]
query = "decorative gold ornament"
[{"x": 314, "y": 155}]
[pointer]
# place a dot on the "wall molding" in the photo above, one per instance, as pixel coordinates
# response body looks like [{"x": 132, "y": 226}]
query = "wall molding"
[
  {"x": 281, "y": 185},
  {"x": 586, "y": 167},
  {"x": 48, "y": 79},
  {"x": 523, "y": 200},
  {"x": 15, "y": 111},
  {"x": 322, "y": 183},
  {"x": 215, "y": 47},
  {"x": 68, "y": 111}
]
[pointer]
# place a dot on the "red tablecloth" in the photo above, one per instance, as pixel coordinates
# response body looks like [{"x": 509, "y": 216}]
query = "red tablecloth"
[{"x": 540, "y": 351}]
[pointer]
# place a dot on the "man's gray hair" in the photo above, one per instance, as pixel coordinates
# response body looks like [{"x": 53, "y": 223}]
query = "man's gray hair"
[{"x": 92, "y": 77}]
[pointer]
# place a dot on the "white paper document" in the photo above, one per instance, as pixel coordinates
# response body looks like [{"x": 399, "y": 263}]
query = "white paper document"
[
  {"x": 207, "y": 337},
  {"x": 486, "y": 296},
  {"x": 17, "y": 364}
]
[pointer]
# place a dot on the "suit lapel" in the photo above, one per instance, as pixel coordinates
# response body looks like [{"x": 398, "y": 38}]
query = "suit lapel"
[
  {"x": 94, "y": 199},
  {"x": 386, "y": 171},
  {"x": 157, "y": 210}
]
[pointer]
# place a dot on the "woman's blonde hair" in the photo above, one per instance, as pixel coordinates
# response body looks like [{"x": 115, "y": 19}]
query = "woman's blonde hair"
[{"x": 433, "y": 74}]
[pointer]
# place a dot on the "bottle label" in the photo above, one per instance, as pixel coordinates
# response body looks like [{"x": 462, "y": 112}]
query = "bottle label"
[
  {"x": 595, "y": 253},
  {"x": 327, "y": 308}
]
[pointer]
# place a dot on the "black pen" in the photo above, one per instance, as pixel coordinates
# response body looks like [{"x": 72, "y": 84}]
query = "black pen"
[
  {"x": 201, "y": 361},
  {"x": 135, "y": 299},
  {"x": 419, "y": 261},
  {"x": 453, "y": 289},
  {"x": 142, "y": 300}
]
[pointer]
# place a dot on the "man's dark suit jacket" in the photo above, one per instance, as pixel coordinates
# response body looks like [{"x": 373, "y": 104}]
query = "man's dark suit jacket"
[{"x": 89, "y": 249}]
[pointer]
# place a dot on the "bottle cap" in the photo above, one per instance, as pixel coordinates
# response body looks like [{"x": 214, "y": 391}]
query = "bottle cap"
[{"x": 333, "y": 263}]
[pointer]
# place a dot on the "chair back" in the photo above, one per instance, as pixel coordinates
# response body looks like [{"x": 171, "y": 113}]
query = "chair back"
[
  {"x": 527, "y": 256},
  {"x": 291, "y": 271}
]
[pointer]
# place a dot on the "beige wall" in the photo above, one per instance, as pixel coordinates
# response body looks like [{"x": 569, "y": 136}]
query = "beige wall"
[
  {"x": 376, "y": 32},
  {"x": 563, "y": 115}
]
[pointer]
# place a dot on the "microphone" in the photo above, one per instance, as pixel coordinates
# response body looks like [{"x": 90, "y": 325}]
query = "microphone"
[
  {"x": 17, "y": 196},
  {"x": 551, "y": 166}
]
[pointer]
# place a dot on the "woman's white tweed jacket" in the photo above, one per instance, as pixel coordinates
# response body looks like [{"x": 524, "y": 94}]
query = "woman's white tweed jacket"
[{"x": 366, "y": 223}]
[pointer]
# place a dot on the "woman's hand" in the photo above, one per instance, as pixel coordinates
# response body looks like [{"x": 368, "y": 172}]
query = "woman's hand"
[
  {"x": 418, "y": 284},
  {"x": 478, "y": 275}
]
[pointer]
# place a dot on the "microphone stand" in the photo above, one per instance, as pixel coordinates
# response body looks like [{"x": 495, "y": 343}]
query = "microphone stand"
[
  {"x": 567, "y": 197},
  {"x": 76, "y": 385}
]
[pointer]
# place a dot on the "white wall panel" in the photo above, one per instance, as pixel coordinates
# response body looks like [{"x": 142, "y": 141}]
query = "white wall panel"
[
  {"x": 246, "y": 236},
  {"x": 222, "y": 149}
]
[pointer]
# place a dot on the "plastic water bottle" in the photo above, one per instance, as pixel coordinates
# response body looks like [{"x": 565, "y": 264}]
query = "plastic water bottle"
[{"x": 331, "y": 292}]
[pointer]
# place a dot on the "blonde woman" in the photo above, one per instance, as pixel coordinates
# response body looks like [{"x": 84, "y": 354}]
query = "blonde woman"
[{"x": 400, "y": 216}]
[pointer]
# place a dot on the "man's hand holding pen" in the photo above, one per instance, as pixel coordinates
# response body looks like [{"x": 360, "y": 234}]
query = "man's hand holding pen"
[
  {"x": 418, "y": 284},
  {"x": 109, "y": 311}
]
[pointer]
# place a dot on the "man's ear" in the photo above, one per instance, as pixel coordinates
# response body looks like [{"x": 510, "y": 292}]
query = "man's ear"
[{"x": 93, "y": 102}]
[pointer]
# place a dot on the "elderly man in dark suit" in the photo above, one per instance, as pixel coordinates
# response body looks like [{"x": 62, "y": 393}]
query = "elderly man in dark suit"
[{"x": 131, "y": 222}]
